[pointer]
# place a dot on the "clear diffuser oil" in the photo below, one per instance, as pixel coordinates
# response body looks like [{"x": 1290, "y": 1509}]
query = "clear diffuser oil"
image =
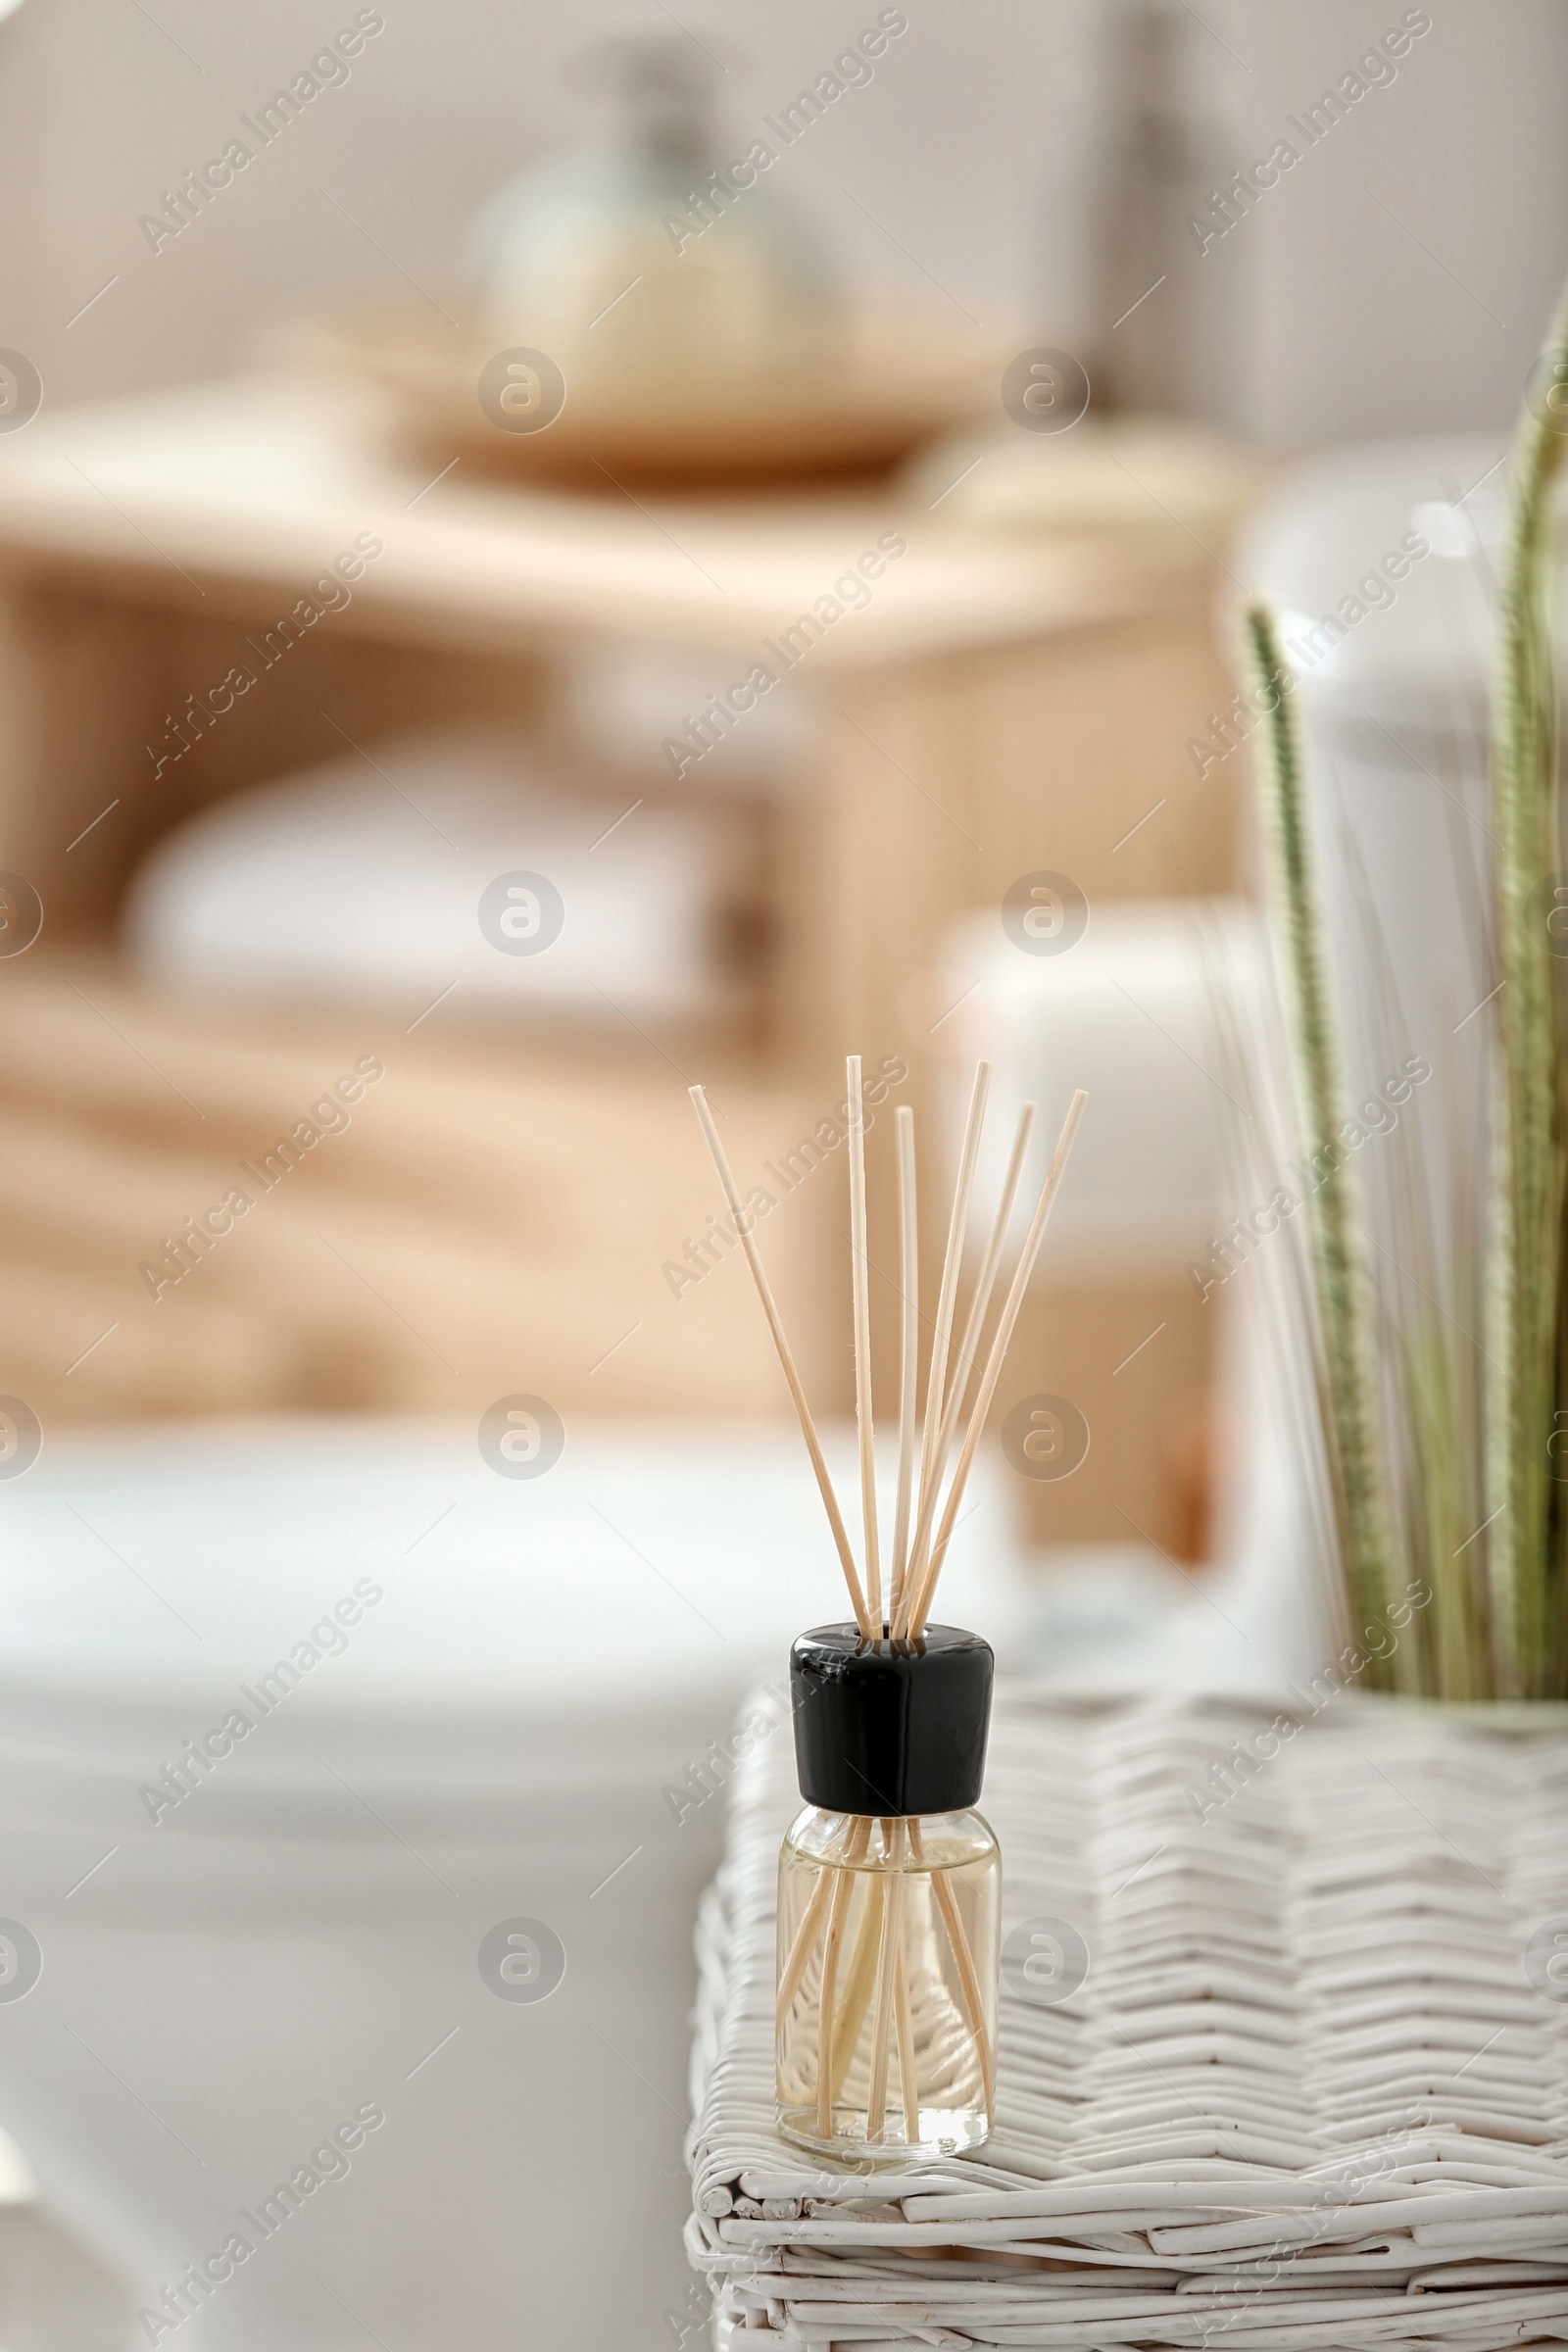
[{"x": 888, "y": 1943}]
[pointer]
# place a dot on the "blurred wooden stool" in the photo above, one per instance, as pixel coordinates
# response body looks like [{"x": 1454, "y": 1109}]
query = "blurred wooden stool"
[{"x": 990, "y": 707}]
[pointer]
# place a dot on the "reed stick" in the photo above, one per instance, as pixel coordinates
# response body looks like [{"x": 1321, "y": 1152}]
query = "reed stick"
[
  {"x": 860, "y": 1290},
  {"x": 910, "y": 1349},
  {"x": 936, "y": 1370},
  {"x": 968, "y": 1976},
  {"x": 908, "y": 2085},
  {"x": 842, "y": 1876},
  {"x": 743, "y": 1221},
  {"x": 1524, "y": 1263},
  {"x": 1001, "y": 1341},
  {"x": 990, "y": 1264},
  {"x": 793, "y": 1975},
  {"x": 947, "y": 1295},
  {"x": 1343, "y": 1288},
  {"x": 859, "y": 1981},
  {"x": 882, "y": 2013}
]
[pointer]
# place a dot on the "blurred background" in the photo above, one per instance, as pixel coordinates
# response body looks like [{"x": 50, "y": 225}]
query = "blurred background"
[{"x": 545, "y": 559}]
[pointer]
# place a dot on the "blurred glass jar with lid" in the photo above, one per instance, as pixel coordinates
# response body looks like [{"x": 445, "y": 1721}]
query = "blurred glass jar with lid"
[{"x": 648, "y": 270}]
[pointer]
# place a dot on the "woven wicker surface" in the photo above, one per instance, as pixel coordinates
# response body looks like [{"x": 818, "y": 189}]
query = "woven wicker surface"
[{"x": 1310, "y": 2093}]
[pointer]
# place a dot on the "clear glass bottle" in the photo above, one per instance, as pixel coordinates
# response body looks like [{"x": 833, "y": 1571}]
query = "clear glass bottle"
[
  {"x": 889, "y": 1921},
  {"x": 888, "y": 1940}
]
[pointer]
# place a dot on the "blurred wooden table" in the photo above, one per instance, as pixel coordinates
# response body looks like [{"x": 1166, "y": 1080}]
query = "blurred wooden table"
[{"x": 999, "y": 706}]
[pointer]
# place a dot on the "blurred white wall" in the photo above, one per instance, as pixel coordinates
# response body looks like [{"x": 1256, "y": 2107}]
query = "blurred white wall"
[{"x": 969, "y": 160}]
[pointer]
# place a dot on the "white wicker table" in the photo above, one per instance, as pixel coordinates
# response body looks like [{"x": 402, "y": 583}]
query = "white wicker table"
[{"x": 1313, "y": 2091}]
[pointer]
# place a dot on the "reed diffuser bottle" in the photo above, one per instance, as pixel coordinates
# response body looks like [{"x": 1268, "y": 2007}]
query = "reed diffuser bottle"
[
  {"x": 889, "y": 1895},
  {"x": 889, "y": 1882}
]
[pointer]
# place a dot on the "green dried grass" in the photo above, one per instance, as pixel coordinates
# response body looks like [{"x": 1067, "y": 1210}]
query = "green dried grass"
[
  {"x": 1345, "y": 1301},
  {"x": 1524, "y": 1261},
  {"x": 1497, "y": 1563},
  {"x": 1443, "y": 1547}
]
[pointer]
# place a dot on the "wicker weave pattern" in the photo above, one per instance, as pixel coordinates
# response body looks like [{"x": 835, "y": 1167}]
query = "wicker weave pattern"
[{"x": 1306, "y": 2096}]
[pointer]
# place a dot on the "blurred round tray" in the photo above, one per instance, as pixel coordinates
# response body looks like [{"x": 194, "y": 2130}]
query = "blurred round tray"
[{"x": 908, "y": 372}]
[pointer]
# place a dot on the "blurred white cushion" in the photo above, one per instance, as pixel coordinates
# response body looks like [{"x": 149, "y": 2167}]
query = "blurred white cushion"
[{"x": 364, "y": 879}]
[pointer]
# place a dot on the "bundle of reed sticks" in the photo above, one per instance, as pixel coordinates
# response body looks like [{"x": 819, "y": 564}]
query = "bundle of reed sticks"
[{"x": 897, "y": 1603}]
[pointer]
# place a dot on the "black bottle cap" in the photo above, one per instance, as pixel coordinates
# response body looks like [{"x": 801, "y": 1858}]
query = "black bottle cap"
[{"x": 891, "y": 1726}]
